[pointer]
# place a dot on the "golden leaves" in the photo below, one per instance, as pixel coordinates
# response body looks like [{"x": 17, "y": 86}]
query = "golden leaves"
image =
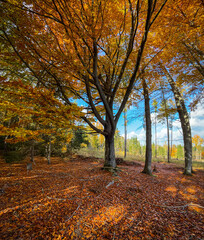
[{"x": 29, "y": 111}]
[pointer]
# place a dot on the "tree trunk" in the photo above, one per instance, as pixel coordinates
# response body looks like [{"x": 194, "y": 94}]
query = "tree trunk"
[
  {"x": 49, "y": 152},
  {"x": 148, "y": 154},
  {"x": 125, "y": 125},
  {"x": 167, "y": 125},
  {"x": 110, "y": 162},
  {"x": 32, "y": 151},
  {"x": 155, "y": 135},
  {"x": 168, "y": 139},
  {"x": 5, "y": 145},
  {"x": 185, "y": 124},
  {"x": 171, "y": 137}
]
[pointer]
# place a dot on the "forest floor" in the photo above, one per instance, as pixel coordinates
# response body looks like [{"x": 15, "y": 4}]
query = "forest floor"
[{"x": 75, "y": 199}]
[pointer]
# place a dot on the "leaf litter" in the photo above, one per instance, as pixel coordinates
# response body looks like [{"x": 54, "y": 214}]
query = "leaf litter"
[{"x": 76, "y": 199}]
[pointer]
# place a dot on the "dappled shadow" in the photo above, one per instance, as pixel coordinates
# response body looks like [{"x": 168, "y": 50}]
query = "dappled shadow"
[{"x": 75, "y": 199}]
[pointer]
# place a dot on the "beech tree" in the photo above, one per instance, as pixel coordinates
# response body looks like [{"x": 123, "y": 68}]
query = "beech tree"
[
  {"x": 185, "y": 122},
  {"x": 181, "y": 60},
  {"x": 155, "y": 105},
  {"x": 164, "y": 113},
  {"x": 148, "y": 153},
  {"x": 84, "y": 48},
  {"x": 31, "y": 115},
  {"x": 125, "y": 132}
]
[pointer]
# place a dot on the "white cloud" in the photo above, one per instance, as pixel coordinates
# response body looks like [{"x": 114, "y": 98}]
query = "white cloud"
[
  {"x": 140, "y": 135},
  {"x": 197, "y": 127},
  {"x": 197, "y": 120},
  {"x": 131, "y": 134}
]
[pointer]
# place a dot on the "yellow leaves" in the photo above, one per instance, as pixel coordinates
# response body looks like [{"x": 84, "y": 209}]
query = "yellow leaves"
[
  {"x": 29, "y": 111},
  {"x": 83, "y": 145},
  {"x": 64, "y": 149},
  {"x": 191, "y": 190},
  {"x": 111, "y": 214},
  {"x": 197, "y": 140},
  {"x": 196, "y": 207},
  {"x": 172, "y": 189},
  {"x": 188, "y": 196},
  {"x": 15, "y": 2}
]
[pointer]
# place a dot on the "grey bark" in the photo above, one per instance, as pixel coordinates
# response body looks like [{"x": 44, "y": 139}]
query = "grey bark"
[
  {"x": 125, "y": 126},
  {"x": 171, "y": 136},
  {"x": 110, "y": 162},
  {"x": 32, "y": 149},
  {"x": 148, "y": 154},
  {"x": 167, "y": 126},
  {"x": 155, "y": 111},
  {"x": 185, "y": 123},
  {"x": 155, "y": 134}
]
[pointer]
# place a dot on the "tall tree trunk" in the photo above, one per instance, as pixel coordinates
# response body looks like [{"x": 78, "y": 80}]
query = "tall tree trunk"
[
  {"x": 155, "y": 111},
  {"x": 5, "y": 145},
  {"x": 185, "y": 123},
  {"x": 155, "y": 135},
  {"x": 148, "y": 154},
  {"x": 32, "y": 151},
  {"x": 125, "y": 126},
  {"x": 167, "y": 125},
  {"x": 171, "y": 137},
  {"x": 168, "y": 140},
  {"x": 110, "y": 162}
]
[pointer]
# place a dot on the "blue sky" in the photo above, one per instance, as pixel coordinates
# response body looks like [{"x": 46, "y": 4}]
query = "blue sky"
[{"x": 134, "y": 126}]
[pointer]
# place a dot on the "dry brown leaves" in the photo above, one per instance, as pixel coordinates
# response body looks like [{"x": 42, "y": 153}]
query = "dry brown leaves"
[{"x": 75, "y": 199}]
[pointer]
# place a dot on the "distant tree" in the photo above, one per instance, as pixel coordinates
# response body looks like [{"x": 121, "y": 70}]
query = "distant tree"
[
  {"x": 198, "y": 142},
  {"x": 155, "y": 105},
  {"x": 79, "y": 138},
  {"x": 180, "y": 151},
  {"x": 125, "y": 131},
  {"x": 164, "y": 114},
  {"x": 134, "y": 146},
  {"x": 119, "y": 142}
]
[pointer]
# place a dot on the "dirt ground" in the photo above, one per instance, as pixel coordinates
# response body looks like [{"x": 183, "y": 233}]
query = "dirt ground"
[{"x": 76, "y": 199}]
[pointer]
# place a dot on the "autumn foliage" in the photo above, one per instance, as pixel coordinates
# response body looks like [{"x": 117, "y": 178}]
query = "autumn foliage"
[{"x": 71, "y": 66}]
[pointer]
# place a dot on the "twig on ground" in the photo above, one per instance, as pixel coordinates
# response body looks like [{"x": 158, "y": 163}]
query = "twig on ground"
[
  {"x": 73, "y": 213},
  {"x": 183, "y": 206},
  {"x": 110, "y": 183},
  {"x": 59, "y": 199}
]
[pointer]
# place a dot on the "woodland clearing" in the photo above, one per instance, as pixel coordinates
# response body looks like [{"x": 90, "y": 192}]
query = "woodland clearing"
[{"x": 75, "y": 199}]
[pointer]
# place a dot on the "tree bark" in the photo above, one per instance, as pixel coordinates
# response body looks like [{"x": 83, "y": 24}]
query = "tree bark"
[
  {"x": 148, "y": 154},
  {"x": 125, "y": 125},
  {"x": 167, "y": 125},
  {"x": 155, "y": 134},
  {"x": 185, "y": 124},
  {"x": 32, "y": 151},
  {"x": 49, "y": 152},
  {"x": 168, "y": 139},
  {"x": 171, "y": 137},
  {"x": 155, "y": 111},
  {"x": 110, "y": 162}
]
